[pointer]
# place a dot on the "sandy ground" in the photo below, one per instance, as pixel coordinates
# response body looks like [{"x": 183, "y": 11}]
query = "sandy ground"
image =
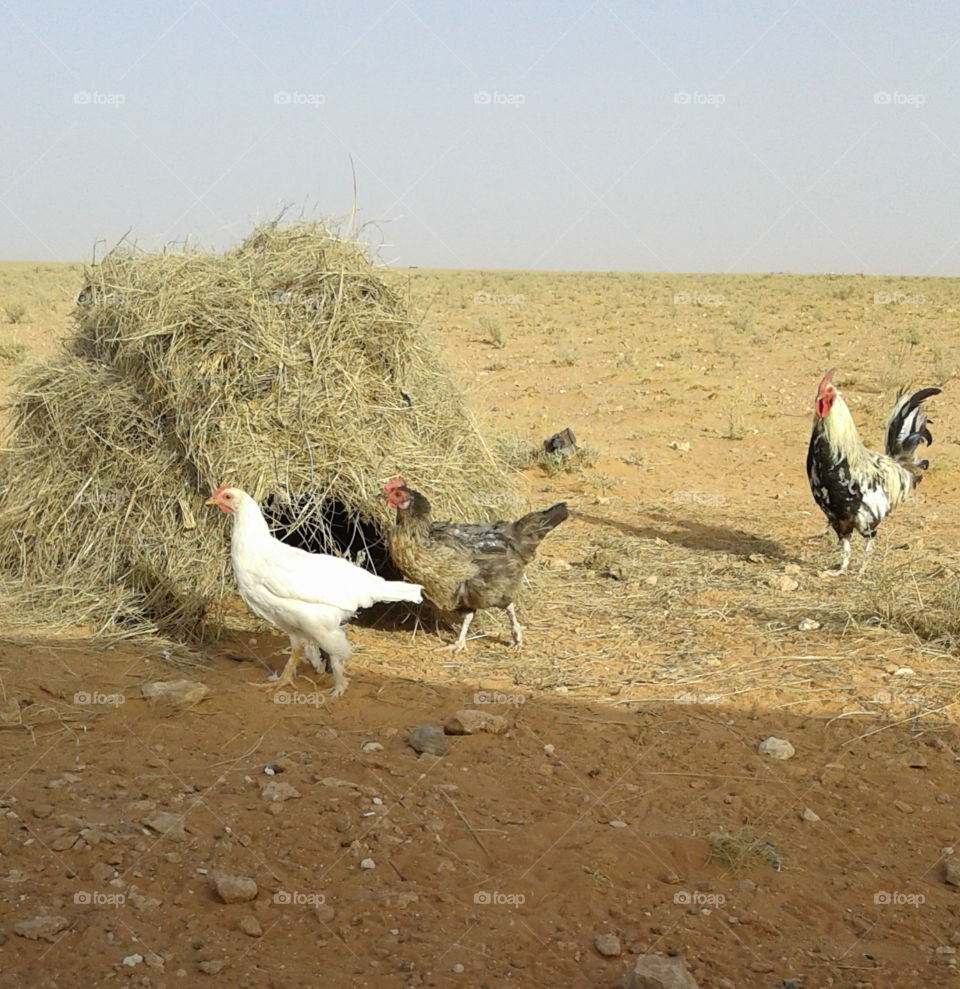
[{"x": 676, "y": 621}]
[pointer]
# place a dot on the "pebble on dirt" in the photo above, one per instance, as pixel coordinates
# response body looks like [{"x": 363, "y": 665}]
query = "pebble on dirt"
[
  {"x": 278, "y": 790},
  {"x": 951, "y": 871},
  {"x": 40, "y": 928},
  {"x": 167, "y": 824},
  {"x": 250, "y": 925},
  {"x": 607, "y": 944},
  {"x": 778, "y": 748},
  {"x": 660, "y": 972},
  {"x": 428, "y": 738},
  {"x": 235, "y": 889},
  {"x": 174, "y": 693},
  {"x": 809, "y": 815},
  {"x": 469, "y": 722}
]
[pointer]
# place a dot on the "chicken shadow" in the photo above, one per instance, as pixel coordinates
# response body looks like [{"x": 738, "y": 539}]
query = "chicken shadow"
[{"x": 695, "y": 535}]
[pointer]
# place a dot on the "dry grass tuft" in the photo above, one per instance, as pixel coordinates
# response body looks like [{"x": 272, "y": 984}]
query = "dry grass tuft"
[{"x": 285, "y": 366}]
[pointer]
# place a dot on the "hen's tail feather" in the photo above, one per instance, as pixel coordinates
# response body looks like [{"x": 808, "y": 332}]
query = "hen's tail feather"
[
  {"x": 908, "y": 426},
  {"x": 532, "y": 528}
]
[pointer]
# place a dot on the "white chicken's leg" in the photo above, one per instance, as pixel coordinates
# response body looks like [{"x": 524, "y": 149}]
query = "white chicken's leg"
[
  {"x": 462, "y": 637},
  {"x": 336, "y": 646},
  {"x": 515, "y": 628},
  {"x": 289, "y": 671}
]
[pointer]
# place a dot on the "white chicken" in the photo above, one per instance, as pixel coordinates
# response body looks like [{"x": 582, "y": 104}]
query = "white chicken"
[{"x": 306, "y": 595}]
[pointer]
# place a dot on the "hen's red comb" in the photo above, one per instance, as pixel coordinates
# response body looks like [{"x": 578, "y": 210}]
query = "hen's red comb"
[
  {"x": 220, "y": 490},
  {"x": 393, "y": 483}
]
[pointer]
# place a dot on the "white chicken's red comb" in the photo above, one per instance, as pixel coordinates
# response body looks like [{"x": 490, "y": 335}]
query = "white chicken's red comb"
[{"x": 220, "y": 490}]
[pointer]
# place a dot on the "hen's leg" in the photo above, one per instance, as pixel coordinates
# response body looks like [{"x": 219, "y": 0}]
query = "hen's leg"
[
  {"x": 462, "y": 637},
  {"x": 337, "y": 648},
  {"x": 289, "y": 671},
  {"x": 515, "y": 629}
]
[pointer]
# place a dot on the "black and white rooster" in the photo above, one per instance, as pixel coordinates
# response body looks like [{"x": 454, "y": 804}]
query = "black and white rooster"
[{"x": 855, "y": 487}]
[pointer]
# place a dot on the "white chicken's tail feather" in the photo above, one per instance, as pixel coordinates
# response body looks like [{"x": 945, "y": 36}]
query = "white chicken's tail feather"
[{"x": 399, "y": 590}]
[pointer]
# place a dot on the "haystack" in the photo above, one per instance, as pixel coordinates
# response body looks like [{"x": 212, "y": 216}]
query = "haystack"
[{"x": 286, "y": 366}]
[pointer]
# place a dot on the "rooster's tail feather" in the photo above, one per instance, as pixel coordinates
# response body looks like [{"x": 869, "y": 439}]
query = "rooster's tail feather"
[{"x": 907, "y": 427}]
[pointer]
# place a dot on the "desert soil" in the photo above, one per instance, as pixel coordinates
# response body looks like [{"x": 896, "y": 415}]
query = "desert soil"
[{"x": 677, "y": 620}]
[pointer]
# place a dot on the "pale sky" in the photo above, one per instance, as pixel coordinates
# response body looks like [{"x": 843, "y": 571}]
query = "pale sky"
[{"x": 803, "y": 135}]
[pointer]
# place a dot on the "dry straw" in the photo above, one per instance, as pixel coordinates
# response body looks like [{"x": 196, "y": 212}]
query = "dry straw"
[{"x": 286, "y": 366}]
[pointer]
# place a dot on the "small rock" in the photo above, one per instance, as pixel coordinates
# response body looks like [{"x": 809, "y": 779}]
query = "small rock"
[
  {"x": 783, "y": 583},
  {"x": 10, "y": 712},
  {"x": 549, "y": 748},
  {"x": 903, "y": 807},
  {"x": 250, "y": 925},
  {"x": 174, "y": 693},
  {"x": 40, "y": 928},
  {"x": 368, "y": 864},
  {"x": 660, "y": 972},
  {"x": 325, "y": 912},
  {"x": 778, "y": 748},
  {"x": 470, "y": 722},
  {"x": 428, "y": 738},
  {"x": 167, "y": 824},
  {"x": 139, "y": 901},
  {"x": 617, "y": 824},
  {"x": 809, "y": 815},
  {"x": 682, "y": 447},
  {"x": 458, "y": 968},
  {"x": 904, "y": 671},
  {"x": 917, "y": 760},
  {"x": 808, "y": 625},
  {"x": 278, "y": 790},
  {"x": 951, "y": 871},
  {"x": 131, "y": 961},
  {"x": 212, "y": 966},
  {"x": 41, "y": 811},
  {"x": 651, "y": 580},
  {"x": 235, "y": 889},
  {"x": 608, "y": 945},
  {"x": 371, "y": 747}
]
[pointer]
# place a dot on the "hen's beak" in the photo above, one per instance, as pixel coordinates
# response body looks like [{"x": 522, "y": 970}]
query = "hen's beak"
[{"x": 210, "y": 501}]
